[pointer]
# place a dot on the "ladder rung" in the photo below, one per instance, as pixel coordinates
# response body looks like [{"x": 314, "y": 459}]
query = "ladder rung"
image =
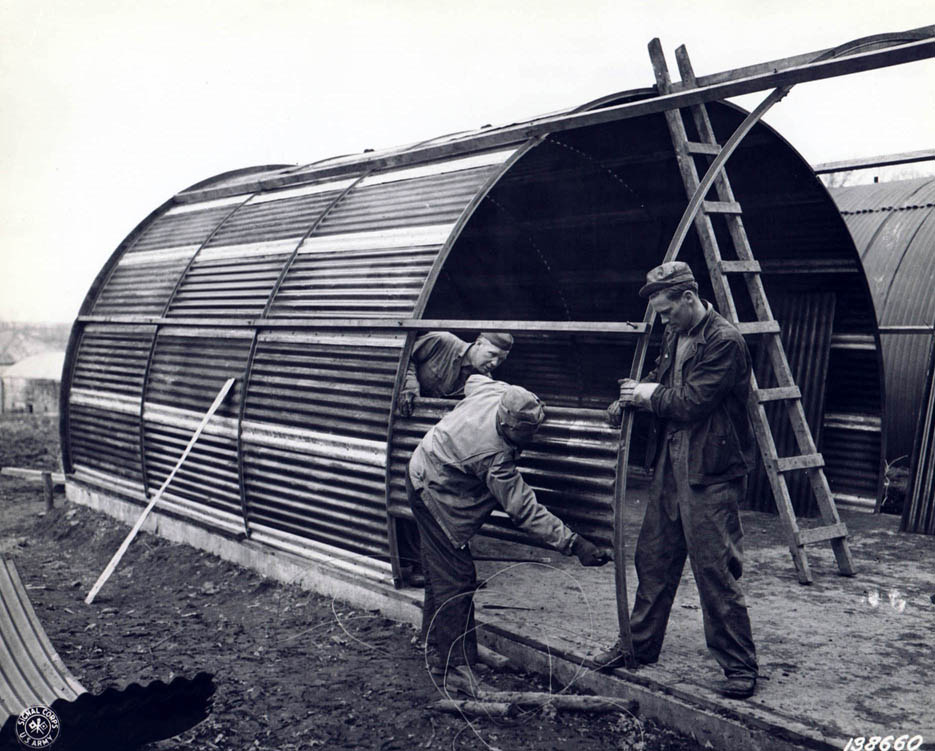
[
  {"x": 758, "y": 327},
  {"x": 820, "y": 534},
  {"x": 776, "y": 394},
  {"x": 805, "y": 461},
  {"x": 699, "y": 147},
  {"x": 722, "y": 207},
  {"x": 740, "y": 267}
]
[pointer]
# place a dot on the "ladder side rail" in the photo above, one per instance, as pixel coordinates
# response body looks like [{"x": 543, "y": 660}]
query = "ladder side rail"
[
  {"x": 717, "y": 177},
  {"x": 795, "y": 409}
]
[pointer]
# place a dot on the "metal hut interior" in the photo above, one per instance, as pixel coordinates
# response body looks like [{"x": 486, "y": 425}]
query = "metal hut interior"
[{"x": 292, "y": 280}]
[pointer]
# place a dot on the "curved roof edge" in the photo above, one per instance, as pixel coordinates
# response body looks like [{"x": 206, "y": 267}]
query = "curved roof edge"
[{"x": 427, "y": 150}]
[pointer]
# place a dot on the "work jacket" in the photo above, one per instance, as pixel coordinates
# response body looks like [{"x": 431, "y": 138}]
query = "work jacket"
[
  {"x": 464, "y": 469},
  {"x": 709, "y": 407},
  {"x": 435, "y": 365}
]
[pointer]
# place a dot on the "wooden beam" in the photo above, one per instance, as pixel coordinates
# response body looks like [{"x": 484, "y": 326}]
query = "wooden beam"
[
  {"x": 846, "y": 165},
  {"x": 381, "y": 324},
  {"x": 34, "y": 475},
  {"x": 740, "y": 267},
  {"x": 777, "y": 394},
  {"x": 804, "y": 461},
  {"x": 722, "y": 207},
  {"x": 795, "y": 61},
  {"x": 757, "y": 327},
  {"x": 738, "y": 82},
  {"x": 812, "y": 535}
]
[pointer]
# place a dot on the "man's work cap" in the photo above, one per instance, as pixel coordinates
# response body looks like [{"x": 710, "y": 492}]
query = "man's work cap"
[
  {"x": 520, "y": 410},
  {"x": 500, "y": 340},
  {"x": 665, "y": 276}
]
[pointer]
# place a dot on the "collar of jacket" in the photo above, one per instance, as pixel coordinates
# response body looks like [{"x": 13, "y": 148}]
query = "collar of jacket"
[{"x": 699, "y": 334}]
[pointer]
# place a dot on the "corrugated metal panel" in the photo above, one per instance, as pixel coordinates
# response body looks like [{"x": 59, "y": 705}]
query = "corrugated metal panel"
[
  {"x": 852, "y": 460},
  {"x": 806, "y": 321},
  {"x": 31, "y": 672},
  {"x": 877, "y": 196},
  {"x": 314, "y": 436},
  {"x": 919, "y": 511},
  {"x": 373, "y": 252},
  {"x": 571, "y": 465},
  {"x": 188, "y": 368},
  {"x": 104, "y": 400},
  {"x": 893, "y": 225},
  {"x": 235, "y": 272},
  {"x": 146, "y": 274}
]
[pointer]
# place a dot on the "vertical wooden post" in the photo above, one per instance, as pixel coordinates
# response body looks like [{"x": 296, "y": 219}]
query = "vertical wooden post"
[{"x": 47, "y": 486}]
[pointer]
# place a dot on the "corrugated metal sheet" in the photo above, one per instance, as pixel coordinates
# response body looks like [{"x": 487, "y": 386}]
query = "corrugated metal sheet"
[
  {"x": 919, "y": 511},
  {"x": 146, "y": 274},
  {"x": 893, "y": 225},
  {"x": 104, "y": 400},
  {"x": 571, "y": 465},
  {"x": 807, "y": 322},
  {"x": 297, "y": 453},
  {"x": 314, "y": 436},
  {"x": 234, "y": 274},
  {"x": 188, "y": 368},
  {"x": 371, "y": 255},
  {"x": 31, "y": 672}
]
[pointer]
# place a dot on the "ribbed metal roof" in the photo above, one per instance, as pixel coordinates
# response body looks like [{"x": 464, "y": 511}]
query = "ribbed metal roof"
[
  {"x": 893, "y": 225},
  {"x": 271, "y": 277},
  {"x": 31, "y": 672}
]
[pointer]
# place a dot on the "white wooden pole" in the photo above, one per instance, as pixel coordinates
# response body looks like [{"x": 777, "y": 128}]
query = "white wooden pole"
[{"x": 105, "y": 575}]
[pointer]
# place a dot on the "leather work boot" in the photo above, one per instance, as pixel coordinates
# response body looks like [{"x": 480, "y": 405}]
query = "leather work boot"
[
  {"x": 738, "y": 687},
  {"x": 614, "y": 657}
]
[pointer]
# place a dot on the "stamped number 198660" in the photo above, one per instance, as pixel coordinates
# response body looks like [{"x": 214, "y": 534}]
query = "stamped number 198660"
[{"x": 884, "y": 743}]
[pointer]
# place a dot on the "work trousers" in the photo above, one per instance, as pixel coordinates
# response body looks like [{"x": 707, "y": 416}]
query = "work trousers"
[
  {"x": 407, "y": 545},
  {"x": 450, "y": 583},
  {"x": 701, "y": 522}
]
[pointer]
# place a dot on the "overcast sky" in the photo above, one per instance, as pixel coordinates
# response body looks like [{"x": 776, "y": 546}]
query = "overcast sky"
[{"x": 109, "y": 108}]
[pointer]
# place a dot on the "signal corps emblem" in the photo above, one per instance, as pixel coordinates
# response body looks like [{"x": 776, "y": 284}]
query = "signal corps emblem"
[{"x": 37, "y": 727}]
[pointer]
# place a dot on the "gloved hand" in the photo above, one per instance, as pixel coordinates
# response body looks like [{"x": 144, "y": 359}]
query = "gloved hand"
[
  {"x": 588, "y": 553},
  {"x": 405, "y": 403},
  {"x": 626, "y": 387},
  {"x": 615, "y": 414},
  {"x": 636, "y": 394}
]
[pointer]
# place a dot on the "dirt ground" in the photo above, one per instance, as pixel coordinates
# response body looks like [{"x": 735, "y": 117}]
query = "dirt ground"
[{"x": 294, "y": 670}]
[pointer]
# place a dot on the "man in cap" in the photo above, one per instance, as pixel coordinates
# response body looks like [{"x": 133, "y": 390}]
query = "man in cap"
[
  {"x": 439, "y": 365},
  {"x": 441, "y": 362},
  {"x": 701, "y": 445},
  {"x": 462, "y": 470}
]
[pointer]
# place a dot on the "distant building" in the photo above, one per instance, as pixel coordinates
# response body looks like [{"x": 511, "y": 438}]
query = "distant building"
[
  {"x": 32, "y": 384},
  {"x": 19, "y": 340}
]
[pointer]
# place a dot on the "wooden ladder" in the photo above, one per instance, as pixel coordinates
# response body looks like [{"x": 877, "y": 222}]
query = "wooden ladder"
[{"x": 729, "y": 209}]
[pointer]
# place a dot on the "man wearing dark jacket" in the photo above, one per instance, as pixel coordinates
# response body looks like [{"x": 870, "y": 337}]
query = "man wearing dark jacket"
[
  {"x": 462, "y": 470},
  {"x": 702, "y": 447}
]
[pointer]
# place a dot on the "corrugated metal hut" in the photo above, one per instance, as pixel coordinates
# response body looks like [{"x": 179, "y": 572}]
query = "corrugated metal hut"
[
  {"x": 893, "y": 225},
  {"x": 294, "y": 281}
]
